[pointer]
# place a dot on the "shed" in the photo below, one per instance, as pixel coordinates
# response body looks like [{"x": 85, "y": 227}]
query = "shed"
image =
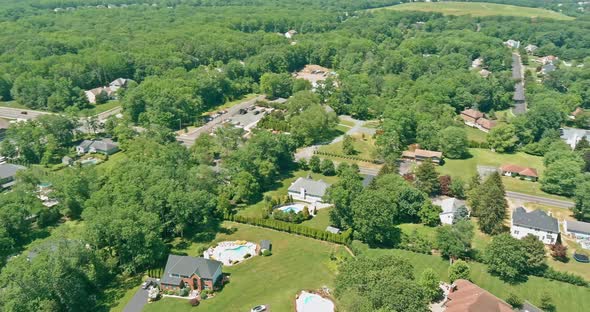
[
  {"x": 333, "y": 230},
  {"x": 265, "y": 245}
]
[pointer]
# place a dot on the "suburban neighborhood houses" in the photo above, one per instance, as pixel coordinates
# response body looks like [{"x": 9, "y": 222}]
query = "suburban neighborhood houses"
[{"x": 537, "y": 223}]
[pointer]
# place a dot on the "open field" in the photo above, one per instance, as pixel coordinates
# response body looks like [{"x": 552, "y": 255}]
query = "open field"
[
  {"x": 296, "y": 263},
  {"x": 474, "y": 134},
  {"x": 364, "y": 147},
  {"x": 566, "y": 297},
  {"x": 257, "y": 209},
  {"x": 478, "y": 9}
]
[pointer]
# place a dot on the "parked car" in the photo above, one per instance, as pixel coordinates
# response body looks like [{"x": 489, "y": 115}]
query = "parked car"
[
  {"x": 259, "y": 308},
  {"x": 146, "y": 284}
]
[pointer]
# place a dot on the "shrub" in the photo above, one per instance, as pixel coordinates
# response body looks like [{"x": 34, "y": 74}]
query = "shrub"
[
  {"x": 565, "y": 277},
  {"x": 183, "y": 292},
  {"x": 459, "y": 270},
  {"x": 194, "y": 302},
  {"x": 514, "y": 300},
  {"x": 246, "y": 256},
  {"x": 266, "y": 253},
  {"x": 204, "y": 294},
  {"x": 559, "y": 252}
]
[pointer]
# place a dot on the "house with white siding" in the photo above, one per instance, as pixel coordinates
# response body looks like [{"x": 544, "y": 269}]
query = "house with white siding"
[
  {"x": 308, "y": 190},
  {"x": 536, "y": 222}
]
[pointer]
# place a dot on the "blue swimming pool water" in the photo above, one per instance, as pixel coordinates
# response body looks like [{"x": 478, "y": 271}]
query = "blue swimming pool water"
[{"x": 295, "y": 209}]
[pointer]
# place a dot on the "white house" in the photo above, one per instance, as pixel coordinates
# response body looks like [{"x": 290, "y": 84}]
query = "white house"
[
  {"x": 449, "y": 206},
  {"x": 104, "y": 146},
  {"x": 578, "y": 230},
  {"x": 514, "y": 44},
  {"x": 308, "y": 190},
  {"x": 536, "y": 222}
]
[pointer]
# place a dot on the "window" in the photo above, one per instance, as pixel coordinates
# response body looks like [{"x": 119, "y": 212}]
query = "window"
[
  {"x": 515, "y": 232},
  {"x": 174, "y": 275}
]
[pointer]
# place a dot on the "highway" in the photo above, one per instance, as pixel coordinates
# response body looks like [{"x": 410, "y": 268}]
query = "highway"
[{"x": 540, "y": 200}]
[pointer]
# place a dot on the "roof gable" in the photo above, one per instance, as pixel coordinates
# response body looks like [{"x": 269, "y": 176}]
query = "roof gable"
[
  {"x": 311, "y": 187},
  {"x": 187, "y": 266},
  {"x": 536, "y": 219}
]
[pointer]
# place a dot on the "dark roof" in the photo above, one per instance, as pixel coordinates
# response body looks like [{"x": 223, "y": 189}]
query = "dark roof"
[
  {"x": 265, "y": 244},
  {"x": 311, "y": 187},
  {"x": 9, "y": 170},
  {"x": 187, "y": 266},
  {"x": 536, "y": 219}
]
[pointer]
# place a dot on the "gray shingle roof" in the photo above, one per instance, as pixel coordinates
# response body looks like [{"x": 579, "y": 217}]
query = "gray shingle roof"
[
  {"x": 312, "y": 187},
  {"x": 104, "y": 145},
  {"x": 187, "y": 266},
  {"x": 578, "y": 227},
  {"x": 449, "y": 205},
  {"x": 536, "y": 219},
  {"x": 9, "y": 170}
]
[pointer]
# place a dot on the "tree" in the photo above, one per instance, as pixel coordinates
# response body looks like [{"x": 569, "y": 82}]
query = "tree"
[
  {"x": 459, "y": 270},
  {"x": 429, "y": 214},
  {"x": 514, "y": 300},
  {"x": 489, "y": 202},
  {"x": 315, "y": 164},
  {"x": 445, "y": 185},
  {"x": 245, "y": 187},
  {"x": 506, "y": 258},
  {"x": 534, "y": 250},
  {"x": 502, "y": 138},
  {"x": 429, "y": 281},
  {"x": 454, "y": 143},
  {"x": 374, "y": 215},
  {"x": 357, "y": 279},
  {"x": 462, "y": 213},
  {"x": 458, "y": 188},
  {"x": 348, "y": 145},
  {"x": 454, "y": 241},
  {"x": 561, "y": 177},
  {"x": 582, "y": 199},
  {"x": 276, "y": 85},
  {"x": 559, "y": 252},
  {"x": 341, "y": 194},
  {"x": 547, "y": 302},
  {"x": 427, "y": 178},
  {"x": 327, "y": 167},
  {"x": 301, "y": 85}
]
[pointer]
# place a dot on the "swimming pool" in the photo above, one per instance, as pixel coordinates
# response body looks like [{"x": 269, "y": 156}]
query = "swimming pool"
[
  {"x": 296, "y": 208},
  {"x": 231, "y": 252},
  {"x": 236, "y": 253},
  {"x": 309, "y": 302}
]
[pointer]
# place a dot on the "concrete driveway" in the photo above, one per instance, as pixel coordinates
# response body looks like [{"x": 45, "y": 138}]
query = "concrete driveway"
[{"x": 138, "y": 301}]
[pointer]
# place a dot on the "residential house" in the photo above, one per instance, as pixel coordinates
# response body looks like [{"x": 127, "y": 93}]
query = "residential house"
[
  {"x": 577, "y": 112},
  {"x": 465, "y": 296},
  {"x": 119, "y": 83},
  {"x": 290, "y": 34},
  {"x": 547, "y": 69},
  {"x": 485, "y": 73},
  {"x": 536, "y": 222},
  {"x": 470, "y": 116},
  {"x": 578, "y": 230},
  {"x": 308, "y": 190},
  {"x": 8, "y": 174},
  {"x": 195, "y": 273},
  {"x": 109, "y": 92},
  {"x": 103, "y": 146},
  {"x": 531, "y": 48},
  {"x": 526, "y": 173},
  {"x": 93, "y": 94},
  {"x": 450, "y": 207},
  {"x": 485, "y": 124},
  {"x": 572, "y": 136},
  {"x": 549, "y": 59},
  {"x": 67, "y": 161},
  {"x": 513, "y": 44},
  {"x": 420, "y": 155}
]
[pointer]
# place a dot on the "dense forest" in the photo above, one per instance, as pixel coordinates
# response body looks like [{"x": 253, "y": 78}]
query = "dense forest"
[{"x": 410, "y": 72}]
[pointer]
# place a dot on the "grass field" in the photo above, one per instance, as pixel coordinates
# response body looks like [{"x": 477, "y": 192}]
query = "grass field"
[
  {"x": 296, "y": 263},
  {"x": 565, "y": 296},
  {"x": 257, "y": 209},
  {"x": 12, "y": 104},
  {"x": 364, "y": 147},
  {"x": 320, "y": 221},
  {"x": 478, "y": 9},
  {"x": 100, "y": 108},
  {"x": 474, "y": 134}
]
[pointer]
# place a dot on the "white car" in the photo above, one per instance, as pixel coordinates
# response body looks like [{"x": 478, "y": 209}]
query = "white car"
[{"x": 259, "y": 308}]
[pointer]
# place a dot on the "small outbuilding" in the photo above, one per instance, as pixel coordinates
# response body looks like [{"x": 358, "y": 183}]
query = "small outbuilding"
[
  {"x": 333, "y": 230},
  {"x": 265, "y": 245}
]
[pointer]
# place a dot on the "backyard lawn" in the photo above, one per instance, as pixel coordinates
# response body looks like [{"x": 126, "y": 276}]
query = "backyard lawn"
[
  {"x": 566, "y": 297},
  {"x": 257, "y": 209},
  {"x": 474, "y": 134},
  {"x": 320, "y": 221},
  {"x": 364, "y": 147},
  {"x": 478, "y": 9},
  {"x": 296, "y": 263}
]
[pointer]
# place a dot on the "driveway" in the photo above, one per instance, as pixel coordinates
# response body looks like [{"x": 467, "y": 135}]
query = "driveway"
[{"x": 138, "y": 301}]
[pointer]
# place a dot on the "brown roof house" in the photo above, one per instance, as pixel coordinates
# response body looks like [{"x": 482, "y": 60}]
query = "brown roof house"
[
  {"x": 468, "y": 297},
  {"x": 420, "y": 155},
  {"x": 525, "y": 173},
  {"x": 485, "y": 124},
  {"x": 476, "y": 119}
]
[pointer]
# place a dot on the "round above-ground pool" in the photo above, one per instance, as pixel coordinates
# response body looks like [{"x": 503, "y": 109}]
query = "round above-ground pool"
[
  {"x": 294, "y": 207},
  {"x": 581, "y": 257},
  {"x": 310, "y": 302}
]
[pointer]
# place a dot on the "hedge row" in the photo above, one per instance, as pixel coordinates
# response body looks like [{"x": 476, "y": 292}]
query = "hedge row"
[
  {"x": 475, "y": 144},
  {"x": 565, "y": 277},
  {"x": 347, "y": 157},
  {"x": 344, "y": 238}
]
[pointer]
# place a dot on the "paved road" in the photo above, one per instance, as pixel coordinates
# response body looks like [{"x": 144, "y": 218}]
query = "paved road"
[
  {"x": 138, "y": 301},
  {"x": 520, "y": 106},
  {"x": 540, "y": 200},
  {"x": 18, "y": 113},
  {"x": 189, "y": 138}
]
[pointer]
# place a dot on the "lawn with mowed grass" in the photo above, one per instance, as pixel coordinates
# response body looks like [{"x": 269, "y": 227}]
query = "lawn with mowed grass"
[
  {"x": 364, "y": 147},
  {"x": 320, "y": 221},
  {"x": 565, "y": 296},
  {"x": 466, "y": 168},
  {"x": 478, "y": 9},
  {"x": 257, "y": 210},
  {"x": 296, "y": 263},
  {"x": 474, "y": 134}
]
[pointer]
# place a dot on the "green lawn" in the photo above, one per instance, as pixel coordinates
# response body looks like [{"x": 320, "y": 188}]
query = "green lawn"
[
  {"x": 257, "y": 209},
  {"x": 296, "y": 263},
  {"x": 99, "y": 108},
  {"x": 565, "y": 296},
  {"x": 474, "y": 134},
  {"x": 320, "y": 221},
  {"x": 478, "y": 9},
  {"x": 364, "y": 147},
  {"x": 12, "y": 104},
  {"x": 347, "y": 123}
]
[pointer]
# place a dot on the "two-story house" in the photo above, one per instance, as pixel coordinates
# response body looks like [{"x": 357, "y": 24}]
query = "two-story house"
[
  {"x": 536, "y": 222},
  {"x": 195, "y": 273}
]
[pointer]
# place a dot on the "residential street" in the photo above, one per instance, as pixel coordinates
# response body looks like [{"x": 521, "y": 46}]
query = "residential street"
[
  {"x": 19, "y": 113},
  {"x": 540, "y": 200}
]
